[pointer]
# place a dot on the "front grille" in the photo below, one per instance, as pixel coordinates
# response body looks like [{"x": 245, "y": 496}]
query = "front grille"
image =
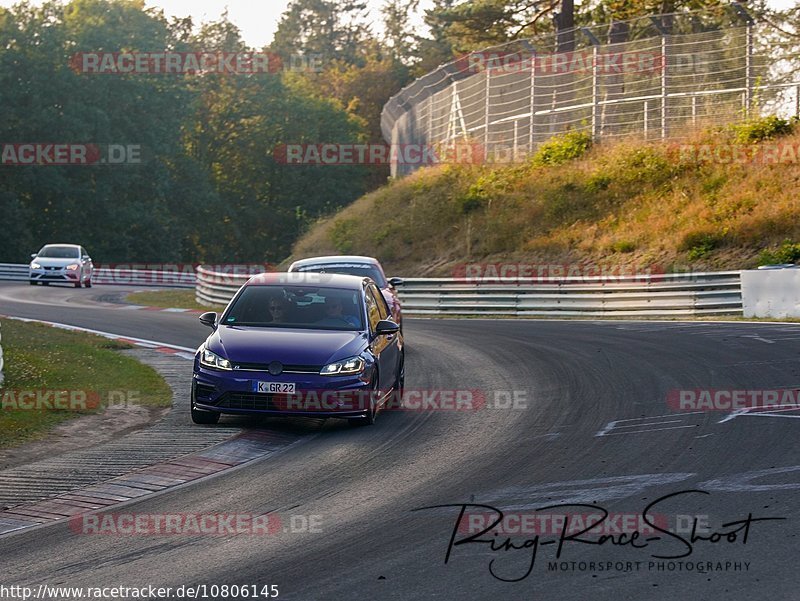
[
  {"x": 52, "y": 268},
  {"x": 248, "y": 400},
  {"x": 294, "y": 369}
]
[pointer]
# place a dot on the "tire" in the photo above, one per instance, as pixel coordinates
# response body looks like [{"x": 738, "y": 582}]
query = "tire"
[
  {"x": 369, "y": 419},
  {"x": 206, "y": 418},
  {"x": 77, "y": 284},
  {"x": 45, "y": 283},
  {"x": 400, "y": 381},
  {"x": 88, "y": 283},
  {"x": 32, "y": 282}
]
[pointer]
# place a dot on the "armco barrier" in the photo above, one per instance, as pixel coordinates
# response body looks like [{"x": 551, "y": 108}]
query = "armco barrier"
[
  {"x": 695, "y": 294},
  {"x": 116, "y": 276}
]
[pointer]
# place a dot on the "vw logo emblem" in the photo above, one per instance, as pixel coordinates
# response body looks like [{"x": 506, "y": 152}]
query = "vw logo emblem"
[{"x": 275, "y": 368}]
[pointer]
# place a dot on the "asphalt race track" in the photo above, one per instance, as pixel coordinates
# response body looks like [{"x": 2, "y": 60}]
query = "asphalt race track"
[{"x": 568, "y": 442}]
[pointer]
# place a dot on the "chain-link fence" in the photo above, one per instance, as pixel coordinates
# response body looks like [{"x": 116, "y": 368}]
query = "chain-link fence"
[{"x": 656, "y": 77}]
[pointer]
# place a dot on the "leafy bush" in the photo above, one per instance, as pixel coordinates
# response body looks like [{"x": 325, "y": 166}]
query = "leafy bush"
[
  {"x": 700, "y": 243},
  {"x": 638, "y": 165},
  {"x": 760, "y": 129},
  {"x": 598, "y": 182},
  {"x": 788, "y": 252},
  {"x": 343, "y": 233},
  {"x": 623, "y": 246},
  {"x": 562, "y": 148}
]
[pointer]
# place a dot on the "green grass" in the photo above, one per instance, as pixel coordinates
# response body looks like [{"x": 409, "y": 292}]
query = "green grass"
[
  {"x": 169, "y": 299},
  {"x": 40, "y": 357}
]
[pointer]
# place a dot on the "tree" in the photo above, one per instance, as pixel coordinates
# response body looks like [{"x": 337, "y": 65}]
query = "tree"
[{"x": 332, "y": 29}]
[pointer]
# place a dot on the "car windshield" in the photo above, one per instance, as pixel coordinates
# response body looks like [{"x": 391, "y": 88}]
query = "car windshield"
[
  {"x": 278, "y": 306},
  {"x": 59, "y": 252},
  {"x": 360, "y": 269}
]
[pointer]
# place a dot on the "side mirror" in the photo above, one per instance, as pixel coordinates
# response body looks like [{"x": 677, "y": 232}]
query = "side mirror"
[
  {"x": 209, "y": 319},
  {"x": 386, "y": 327},
  {"x": 86, "y": 258},
  {"x": 34, "y": 255},
  {"x": 395, "y": 282}
]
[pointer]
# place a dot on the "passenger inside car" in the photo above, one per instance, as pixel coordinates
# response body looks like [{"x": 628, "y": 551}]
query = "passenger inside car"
[{"x": 336, "y": 313}]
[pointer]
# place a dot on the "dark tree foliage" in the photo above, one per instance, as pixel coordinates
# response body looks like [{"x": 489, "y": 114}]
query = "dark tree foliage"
[{"x": 209, "y": 187}]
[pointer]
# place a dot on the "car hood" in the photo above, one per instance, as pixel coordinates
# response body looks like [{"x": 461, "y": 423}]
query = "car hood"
[
  {"x": 47, "y": 262},
  {"x": 241, "y": 344}
]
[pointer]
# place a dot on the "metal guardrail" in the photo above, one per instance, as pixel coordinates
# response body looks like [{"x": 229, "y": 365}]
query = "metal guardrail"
[
  {"x": 214, "y": 288},
  {"x": 13, "y": 271},
  {"x": 715, "y": 293},
  {"x": 115, "y": 276}
]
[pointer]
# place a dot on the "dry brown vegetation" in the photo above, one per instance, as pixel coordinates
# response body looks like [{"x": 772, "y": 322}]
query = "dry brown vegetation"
[{"x": 629, "y": 204}]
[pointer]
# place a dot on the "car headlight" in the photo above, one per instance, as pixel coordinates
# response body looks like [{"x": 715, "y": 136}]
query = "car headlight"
[
  {"x": 210, "y": 359},
  {"x": 73, "y": 266},
  {"x": 351, "y": 365},
  {"x": 35, "y": 266}
]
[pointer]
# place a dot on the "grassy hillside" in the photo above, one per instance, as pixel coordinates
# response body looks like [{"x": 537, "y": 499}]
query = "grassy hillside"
[{"x": 631, "y": 203}]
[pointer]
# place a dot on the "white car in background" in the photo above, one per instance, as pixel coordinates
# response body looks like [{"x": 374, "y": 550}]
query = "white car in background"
[
  {"x": 360, "y": 266},
  {"x": 64, "y": 263}
]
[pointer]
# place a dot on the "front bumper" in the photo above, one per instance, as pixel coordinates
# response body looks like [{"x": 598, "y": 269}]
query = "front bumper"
[
  {"x": 54, "y": 274},
  {"x": 234, "y": 392}
]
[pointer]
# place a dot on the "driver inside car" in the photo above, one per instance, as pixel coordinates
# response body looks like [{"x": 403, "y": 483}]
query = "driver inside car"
[{"x": 335, "y": 314}]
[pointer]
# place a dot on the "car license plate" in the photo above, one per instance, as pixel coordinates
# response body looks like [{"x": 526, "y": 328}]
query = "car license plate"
[{"x": 275, "y": 387}]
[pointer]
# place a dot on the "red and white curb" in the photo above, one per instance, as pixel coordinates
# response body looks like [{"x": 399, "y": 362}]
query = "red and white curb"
[
  {"x": 149, "y": 481},
  {"x": 161, "y": 347}
]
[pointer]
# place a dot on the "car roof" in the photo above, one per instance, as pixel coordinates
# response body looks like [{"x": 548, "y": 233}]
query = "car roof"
[
  {"x": 62, "y": 244},
  {"x": 335, "y": 259},
  {"x": 317, "y": 280}
]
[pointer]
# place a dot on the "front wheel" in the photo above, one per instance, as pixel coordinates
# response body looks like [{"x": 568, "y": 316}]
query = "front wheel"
[
  {"x": 203, "y": 417},
  {"x": 372, "y": 410},
  {"x": 77, "y": 284},
  {"x": 32, "y": 282},
  {"x": 88, "y": 283}
]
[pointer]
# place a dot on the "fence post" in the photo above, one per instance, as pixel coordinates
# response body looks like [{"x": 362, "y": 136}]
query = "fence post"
[
  {"x": 533, "y": 102},
  {"x": 595, "y": 90},
  {"x": 429, "y": 137},
  {"x": 486, "y": 112},
  {"x": 797, "y": 101},
  {"x": 748, "y": 60},
  {"x": 1, "y": 358},
  {"x": 664, "y": 70},
  {"x": 646, "y": 114},
  {"x": 516, "y": 138},
  {"x": 664, "y": 90},
  {"x": 749, "y": 68}
]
